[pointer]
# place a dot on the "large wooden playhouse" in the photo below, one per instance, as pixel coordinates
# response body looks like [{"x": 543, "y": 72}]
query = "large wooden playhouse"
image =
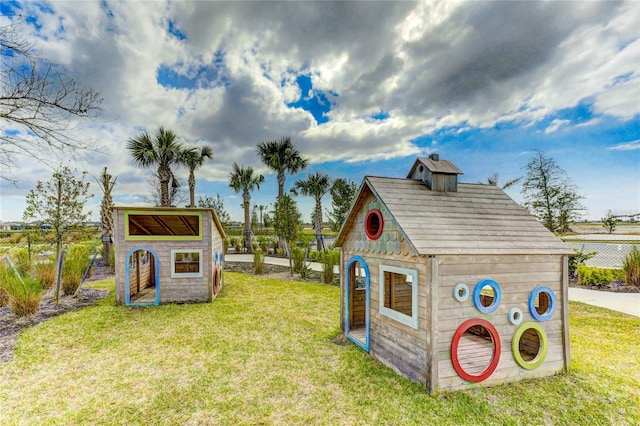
[
  {"x": 165, "y": 255},
  {"x": 452, "y": 284}
]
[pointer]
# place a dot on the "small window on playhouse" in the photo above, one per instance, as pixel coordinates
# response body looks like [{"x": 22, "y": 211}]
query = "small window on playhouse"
[
  {"x": 399, "y": 294},
  {"x": 373, "y": 224},
  {"x": 529, "y": 345},
  {"x": 542, "y": 303},
  {"x": 162, "y": 225},
  {"x": 475, "y": 350},
  {"x": 186, "y": 263}
]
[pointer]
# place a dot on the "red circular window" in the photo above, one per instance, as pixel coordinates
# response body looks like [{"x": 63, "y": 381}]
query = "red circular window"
[
  {"x": 216, "y": 281},
  {"x": 479, "y": 345},
  {"x": 373, "y": 224}
]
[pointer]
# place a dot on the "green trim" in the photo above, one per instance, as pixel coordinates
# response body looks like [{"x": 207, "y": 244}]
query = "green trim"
[
  {"x": 128, "y": 237},
  {"x": 542, "y": 352}
]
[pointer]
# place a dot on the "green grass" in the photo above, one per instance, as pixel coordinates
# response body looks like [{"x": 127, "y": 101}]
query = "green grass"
[{"x": 264, "y": 353}]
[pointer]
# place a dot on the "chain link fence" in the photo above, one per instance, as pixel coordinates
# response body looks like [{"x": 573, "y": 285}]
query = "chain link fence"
[{"x": 609, "y": 255}]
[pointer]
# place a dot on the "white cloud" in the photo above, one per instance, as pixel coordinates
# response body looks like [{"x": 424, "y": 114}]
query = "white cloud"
[
  {"x": 429, "y": 65},
  {"x": 629, "y": 146},
  {"x": 555, "y": 125}
]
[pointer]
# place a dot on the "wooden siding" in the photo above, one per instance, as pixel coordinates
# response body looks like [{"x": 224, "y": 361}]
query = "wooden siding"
[
  {"x": 517, "y": 277},
  {"x": 397, "y": 345},
  {"x": 171, "y": 289},
  {"x": 391, "y": 242}
]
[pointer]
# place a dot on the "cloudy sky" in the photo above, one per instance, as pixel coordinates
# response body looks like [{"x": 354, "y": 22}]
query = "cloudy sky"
[{"x": 361, "y": 87}]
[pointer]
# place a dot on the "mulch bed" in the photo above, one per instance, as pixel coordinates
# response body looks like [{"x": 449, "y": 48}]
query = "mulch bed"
[
  {"x": 611, "y": 288},
  {"x": 12, "y": 325}
]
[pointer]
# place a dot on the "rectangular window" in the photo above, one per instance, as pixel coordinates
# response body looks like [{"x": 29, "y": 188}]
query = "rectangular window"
[
  {"x": 162, "y": 225},
  {"x": 186, "y": 263},
  {"x": 399, "y": 294}
]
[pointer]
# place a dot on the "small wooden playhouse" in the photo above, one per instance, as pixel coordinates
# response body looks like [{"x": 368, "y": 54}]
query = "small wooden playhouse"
[
  {"x": 165, "y": 255},
  {"x": 452, "y": 284}
]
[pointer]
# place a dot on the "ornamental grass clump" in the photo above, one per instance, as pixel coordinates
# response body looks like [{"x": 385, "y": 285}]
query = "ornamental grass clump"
[
  {"x": 45, "y": 272},
  {"x": 22, "y": 295},
  {"x": 631, "y": 267},
  {"x": 74, "y": 267},
  {"x": 258, "y": 262}
]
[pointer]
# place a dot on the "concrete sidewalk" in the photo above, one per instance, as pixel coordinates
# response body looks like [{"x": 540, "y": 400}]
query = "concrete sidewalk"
[{"x": 627, "y": 303}]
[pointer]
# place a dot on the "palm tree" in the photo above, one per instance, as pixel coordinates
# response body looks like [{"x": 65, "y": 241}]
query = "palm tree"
[
  {"x": 242, "y": 179},
  {"x": 261, "y": 207},
  {"x": 315, "y": 185},
  {"x": 162, "y": 150},
  {"x": 106, "y": 182},
  {"x": 282, "y": 156},
  {"x": 193, "y": 158}
]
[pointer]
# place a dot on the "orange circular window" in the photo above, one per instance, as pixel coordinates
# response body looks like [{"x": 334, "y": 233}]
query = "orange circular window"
[{"x": 373, "y": 224}]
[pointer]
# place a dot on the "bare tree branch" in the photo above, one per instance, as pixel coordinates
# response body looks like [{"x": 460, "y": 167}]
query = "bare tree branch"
[{"x": 39, "y": 108}]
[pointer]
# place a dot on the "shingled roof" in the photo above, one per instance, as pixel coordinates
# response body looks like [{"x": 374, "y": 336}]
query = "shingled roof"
[{"x": 477, "y": 219}]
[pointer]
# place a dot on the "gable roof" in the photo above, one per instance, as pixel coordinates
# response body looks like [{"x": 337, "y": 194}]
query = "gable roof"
[{"x": 477, "y": 219}]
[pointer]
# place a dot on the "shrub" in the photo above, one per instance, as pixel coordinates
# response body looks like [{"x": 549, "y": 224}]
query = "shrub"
[
  {"x": 22, "y": 295},
  {"x": 225, "y": 245},
  {"x": 330, "y": 258},
  {"x": 280, "y": 251},
  {"x": 578, "y": 259},
  {"x": 258, "y": 262},
  {"x": 297, "y": 255},
  {"x": 15, "y": 238},
  {"x": 304, "y": 271},
  {"x": 631, "y": 267},
  {"x": 591, "y": 275}
]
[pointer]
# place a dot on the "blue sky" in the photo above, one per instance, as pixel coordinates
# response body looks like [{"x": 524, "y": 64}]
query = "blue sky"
[{"x": 361, "y": 88}]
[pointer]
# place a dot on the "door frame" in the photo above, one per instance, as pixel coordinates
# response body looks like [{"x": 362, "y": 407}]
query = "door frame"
[
  {"x": 347, "y": 302},
  {"x": 156, "y": 267}
]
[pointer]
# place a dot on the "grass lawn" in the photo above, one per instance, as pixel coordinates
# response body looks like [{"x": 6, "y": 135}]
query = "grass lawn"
[{"x": 264, "y": 353}]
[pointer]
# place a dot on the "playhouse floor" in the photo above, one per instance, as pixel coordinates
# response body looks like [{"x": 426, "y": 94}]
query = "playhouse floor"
[
  {"x": 475, "y": 353},
  {"x": 359, "y": 333},
  {"x": 146, "y": 295}
]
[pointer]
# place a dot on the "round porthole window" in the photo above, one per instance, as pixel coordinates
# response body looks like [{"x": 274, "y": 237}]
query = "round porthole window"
[
  {"x": 487, "y": 296},
  {"x": 461, "y": 292},
  {"x": 515, "y": 316},
  {"x": 373, "y": 224},
  {"x": 542, "y": 303},
  {"x": 216, "y": 281},
  {"x": 529, "y": 345},
  {"x": 475, "y": 350}
]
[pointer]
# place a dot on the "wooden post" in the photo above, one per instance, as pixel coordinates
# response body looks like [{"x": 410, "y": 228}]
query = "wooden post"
[
  {"x": 565, "y": 313},
  {"x": 56, "y": 293},
  {"x": 342, "y": 292}
]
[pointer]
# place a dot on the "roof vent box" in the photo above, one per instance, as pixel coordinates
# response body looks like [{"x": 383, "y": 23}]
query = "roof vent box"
[{"x": 437, "y": 175}]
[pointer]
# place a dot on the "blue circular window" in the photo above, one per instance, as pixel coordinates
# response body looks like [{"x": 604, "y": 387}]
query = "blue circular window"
[
  {"x": 487, "y": 296},
  {"x": 461, "y": 292},
  {"x": 542, "y": 303}
]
